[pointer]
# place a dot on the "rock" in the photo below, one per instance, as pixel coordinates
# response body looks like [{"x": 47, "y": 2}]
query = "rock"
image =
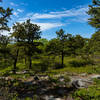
[
  {"x": 45, "y": 77},
  {"x": 83, "y": 74},
  {"x": 58, "y": 99},
  {"x": 61, "y": 79},
  {"x": 2, "y": 77},
  {"x": 69, "y": 98},
  {"x": 80, "y": 83},
  {"x": 51, "y": 98},
  {"x": 22, "y": 72},
  {"x": 95, "y": 76}
]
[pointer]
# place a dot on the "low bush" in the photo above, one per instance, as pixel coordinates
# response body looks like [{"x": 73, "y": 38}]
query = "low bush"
[
  {"x": 79, "y": 63},
  {"x": 58, "y": 65},
  {"x": 92, "y": 93},
  {"x": 43, "y": 65}
]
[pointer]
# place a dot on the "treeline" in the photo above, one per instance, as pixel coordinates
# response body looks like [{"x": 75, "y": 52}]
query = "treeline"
[{"x": 25, "y": 42}]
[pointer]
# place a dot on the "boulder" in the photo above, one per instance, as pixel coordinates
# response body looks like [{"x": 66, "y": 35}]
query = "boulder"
[
  {"x": 95, "y": 76},
  {"x": 81, "y": 83},
  {"x": 51, "y": 98}
]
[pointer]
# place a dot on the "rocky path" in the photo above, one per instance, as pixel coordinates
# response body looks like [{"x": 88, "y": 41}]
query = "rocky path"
[{"x": 47, "y": 91}]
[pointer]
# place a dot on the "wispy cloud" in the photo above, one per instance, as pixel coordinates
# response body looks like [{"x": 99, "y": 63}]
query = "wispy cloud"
[
  {"x": 72, "y": 15},
  {"x": 24, "y": 4},
  {"x": 20, "y": 10},
  {"x": 47, "y": 26},
  {"x": 66, "y": 13},
  {"x": 13, "y": 4}
]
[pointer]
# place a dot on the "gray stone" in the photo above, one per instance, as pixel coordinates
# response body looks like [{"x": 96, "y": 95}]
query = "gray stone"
[
  {"x": 83, "y": 74},
  {"x": 51, "y": 98},
  {"x": 81, "y": 83},
  {"x": 95, "y": 76}
]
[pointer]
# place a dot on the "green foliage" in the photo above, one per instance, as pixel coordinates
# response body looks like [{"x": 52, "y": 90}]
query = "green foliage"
[
  {"x": 58, "y": 80},
  {"x": 4, "y": 18},
  {"x": 24, "y": 35},
  {"x": 80, "y": 63},
  {"x": 53, "y": 47},
  {"x": 91, "y": 93},
  {"x": 94, "y": 12},
  {"x": 44, "y": 65},
  {"x": 58, "y": 65},
  {"x": 94, "y": 43}
]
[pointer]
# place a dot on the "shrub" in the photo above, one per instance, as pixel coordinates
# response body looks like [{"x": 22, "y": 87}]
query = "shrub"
[
  {"x": 79, "y": 63},
  {"x": 92, "y": 93},
  {"x": 57, "y": 65},
  {"x": 43, "y": 65}
]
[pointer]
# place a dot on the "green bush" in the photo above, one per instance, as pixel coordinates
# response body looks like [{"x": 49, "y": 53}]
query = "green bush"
[
  {"x": 58, "y": 65},
  {"x": 43, "y": 65},
  {"x": 80, "y": 63},
  {"x": 92, "y": 93}
]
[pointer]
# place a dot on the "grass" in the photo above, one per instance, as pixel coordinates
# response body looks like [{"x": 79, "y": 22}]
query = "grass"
[
  {"x": 91, "y": 93},
  {"x": 37, "y": 63},
  {"x": 86, "y": 69}
]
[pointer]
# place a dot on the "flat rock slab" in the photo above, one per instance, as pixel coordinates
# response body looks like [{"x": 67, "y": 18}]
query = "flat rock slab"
[
  {"x": 52, "y": 98},
  {"x": 95, "y": 76}
]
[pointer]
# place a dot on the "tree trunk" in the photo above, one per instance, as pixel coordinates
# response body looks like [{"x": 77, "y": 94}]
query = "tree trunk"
[
  {"x": 62, "y": 59},
  {"x": 15, "y": 62},
  {"x": 30, "y": 63},
  {"x": 25, "y": 60}
]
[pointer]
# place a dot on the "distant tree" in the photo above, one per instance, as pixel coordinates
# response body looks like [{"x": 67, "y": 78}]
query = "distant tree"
[
  {"x": 62, "y": 37},
  {"x": 66, "y": 41},
  {"x": 78, "y": 44},
  {"x": 43, "y": 45},
  {"x": 43, "y": 40},
  {"x": 53, "y": 47},
  {"x": 62, "y": 45},
  {"x": 86, "y": 49}
]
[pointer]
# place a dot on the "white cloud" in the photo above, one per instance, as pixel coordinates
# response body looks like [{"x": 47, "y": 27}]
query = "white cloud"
[
  {"x": 73, "y": 15},
  {"x": 13, "y": 4},
  {"x": 66, "y": 13},
  {"x": 80, "y": 19},
  {"x": 47, "y": 26},
  {"x": 20, "y": 10},
  {"x": 24, "y": 4},
  {"x": 77, "y": 14}
]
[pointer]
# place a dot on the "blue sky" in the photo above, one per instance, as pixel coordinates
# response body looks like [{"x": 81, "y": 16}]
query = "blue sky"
[{"x": 52, "y": 15}]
